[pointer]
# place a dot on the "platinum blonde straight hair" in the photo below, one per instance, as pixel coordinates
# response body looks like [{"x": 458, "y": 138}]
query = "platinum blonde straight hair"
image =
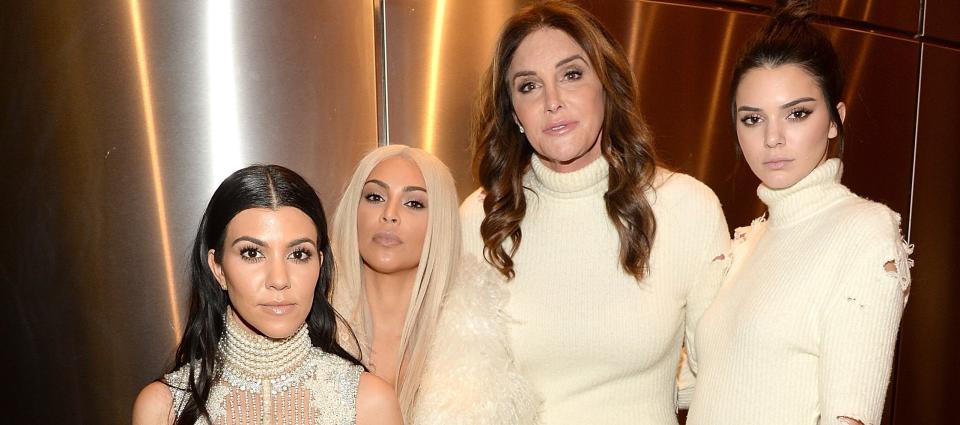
[{"x": 438, "y": 261}]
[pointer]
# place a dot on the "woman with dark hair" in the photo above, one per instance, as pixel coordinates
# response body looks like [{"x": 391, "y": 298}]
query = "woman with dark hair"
[
  {"x": 260, "y": 344},
  {"x": 612, "y": 259},
  {"x": 803, "y": 329}
]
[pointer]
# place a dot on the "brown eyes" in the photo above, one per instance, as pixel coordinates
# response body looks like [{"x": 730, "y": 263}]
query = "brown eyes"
[
  {"x": 252, "y": 254},
  {"x": 572, "y": 74}
]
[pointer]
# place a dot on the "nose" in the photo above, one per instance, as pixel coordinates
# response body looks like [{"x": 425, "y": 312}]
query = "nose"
[
  {"x": 278, "y": 278},
  {"x": 552, "y": 99},
  {"x": 390, "y": 212},
  {"x": 773, "y": 136}
]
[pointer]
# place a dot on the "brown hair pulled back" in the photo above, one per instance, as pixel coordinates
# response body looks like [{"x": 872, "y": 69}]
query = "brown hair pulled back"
[
  {"x": 501, "y": 154},
  {"x": 791, "y": 39}
]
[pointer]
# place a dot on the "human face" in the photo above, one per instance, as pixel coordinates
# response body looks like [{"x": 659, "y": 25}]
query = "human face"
[
  {"x": 783, "y": 124},
  {"x": 392, "y": 217},
  {"x": 557, "y": 99},
  {"x": 269, "y": 269}
]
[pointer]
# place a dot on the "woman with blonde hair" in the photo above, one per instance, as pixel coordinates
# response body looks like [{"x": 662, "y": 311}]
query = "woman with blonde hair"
[
  {"x": 426, "y": 320},
  {"x": 611, "y": 259}
]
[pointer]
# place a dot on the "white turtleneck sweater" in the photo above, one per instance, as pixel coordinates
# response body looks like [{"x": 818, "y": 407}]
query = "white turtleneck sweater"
[
  {"x": 803, "y": 328},
  {"x": 599, "y": 346}
]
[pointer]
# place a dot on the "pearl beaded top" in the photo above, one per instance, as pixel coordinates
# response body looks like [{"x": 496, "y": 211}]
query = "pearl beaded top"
[{"x": 274, "y": 381}]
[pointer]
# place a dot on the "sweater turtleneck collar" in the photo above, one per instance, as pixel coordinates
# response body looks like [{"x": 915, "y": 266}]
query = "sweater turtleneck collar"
[
  {"x": 586, "y": 180},
  {"x": 807, "y": 197}
]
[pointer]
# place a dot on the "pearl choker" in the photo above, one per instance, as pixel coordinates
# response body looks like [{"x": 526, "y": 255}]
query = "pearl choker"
[{"x": 257, "y": 363}]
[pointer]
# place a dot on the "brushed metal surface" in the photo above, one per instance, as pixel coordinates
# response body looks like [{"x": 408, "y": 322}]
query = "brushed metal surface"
[
  {"x": 928, "y": 369},
  {"x": 436, "y": 53},
  {"x": 120, "y": 118},
  {"x": 942, "y": 19},
  {"x": 684, "y": 78},
  {"x": 899, "y": 15}
]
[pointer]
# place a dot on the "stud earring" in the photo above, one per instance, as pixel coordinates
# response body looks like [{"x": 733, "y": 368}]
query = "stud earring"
[{"x": 521, "y": 128}]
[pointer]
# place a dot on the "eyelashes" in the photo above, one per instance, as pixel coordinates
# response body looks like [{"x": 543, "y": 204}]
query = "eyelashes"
[
  {"x": 376, "y": 198},
  {"x": 799, "y": 114},
  {"x": 572, "y": 74},
  {"x": 253, "y": 254},
  {"x": 795, "y": 114}
]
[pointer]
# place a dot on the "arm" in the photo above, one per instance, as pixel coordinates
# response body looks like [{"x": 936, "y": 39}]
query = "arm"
[
  {"x": 377, "y": 402},
  {"x": 710, "y": 262},
  {"x": 153, "y": 405},
  {"x": 859, "y": 332}
]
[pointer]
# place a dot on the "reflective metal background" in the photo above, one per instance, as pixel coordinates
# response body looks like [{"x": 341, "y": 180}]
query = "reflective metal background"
[
  {"x": 120, "y": 117},
  {"x": 682, "y": 52}
]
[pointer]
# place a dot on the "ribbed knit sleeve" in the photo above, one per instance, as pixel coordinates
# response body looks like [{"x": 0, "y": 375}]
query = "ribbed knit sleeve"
[
  {"x": 708, "y": 261},
  {"x": 861, "y": 318}
]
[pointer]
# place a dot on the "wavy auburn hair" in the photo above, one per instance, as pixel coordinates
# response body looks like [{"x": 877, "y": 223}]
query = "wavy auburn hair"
[{"x": 501, "y": 154}]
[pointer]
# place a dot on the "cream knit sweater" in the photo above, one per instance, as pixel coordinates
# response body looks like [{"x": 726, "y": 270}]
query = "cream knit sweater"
[
  {"x": 803, "y": 329},
  {"x": 599, "y": 346}
]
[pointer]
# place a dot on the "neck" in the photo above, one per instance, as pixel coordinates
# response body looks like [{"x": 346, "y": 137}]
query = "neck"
[{"x": 388, "y": 298}]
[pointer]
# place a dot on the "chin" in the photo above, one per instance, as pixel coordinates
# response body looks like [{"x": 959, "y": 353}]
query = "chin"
[
  {"x": 280, "y": 331},
  {"x": 779, "y": 183}
]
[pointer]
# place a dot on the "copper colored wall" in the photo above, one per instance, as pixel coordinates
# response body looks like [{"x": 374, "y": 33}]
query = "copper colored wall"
[{"x": 929, "y": 366}]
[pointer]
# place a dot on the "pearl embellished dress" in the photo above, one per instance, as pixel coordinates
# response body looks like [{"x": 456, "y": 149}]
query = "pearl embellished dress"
[{"x": 267, "y": 381}]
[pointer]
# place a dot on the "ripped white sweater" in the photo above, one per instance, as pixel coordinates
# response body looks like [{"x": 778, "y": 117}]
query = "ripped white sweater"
[{"x": 803, "y": 329}]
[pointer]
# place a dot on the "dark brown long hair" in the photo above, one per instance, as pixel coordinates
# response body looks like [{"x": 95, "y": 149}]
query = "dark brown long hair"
[
  {"x": 256, "y": 186},
  {"x": 501, "y": 154},
  {"x": 791, "y": 39}
]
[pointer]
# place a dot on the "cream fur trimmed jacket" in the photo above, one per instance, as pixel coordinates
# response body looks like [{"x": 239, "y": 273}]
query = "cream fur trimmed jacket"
[{"x": 471, "y": 376}]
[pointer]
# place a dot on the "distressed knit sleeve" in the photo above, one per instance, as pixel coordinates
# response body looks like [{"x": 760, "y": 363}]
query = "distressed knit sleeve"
[
  {"x": 861, "y": 319},
  {"x": 708, "y": 261}
]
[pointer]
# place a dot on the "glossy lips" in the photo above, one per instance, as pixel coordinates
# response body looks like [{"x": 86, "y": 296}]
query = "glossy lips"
[
  {"x": 387, "y": 239},
  {"x": 278, "y": 308},
  {"x": 777, "y": 164},
  {"x": 560, "y": 128}
]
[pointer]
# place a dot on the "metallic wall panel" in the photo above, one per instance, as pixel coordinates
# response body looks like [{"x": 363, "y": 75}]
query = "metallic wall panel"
[
  {"x": 686, "y": 98},
  {"x": 941, "y": 19},
  {"x": 928, "y": 367},
  {"x": 899, "y": 15},
  {"x": 120, "y": 118},
  {"x": 436, "y": 53}
]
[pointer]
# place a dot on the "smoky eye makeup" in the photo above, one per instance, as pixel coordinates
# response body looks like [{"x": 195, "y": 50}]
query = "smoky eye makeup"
[
  {"x": 250, "y": 253},
  {"x": 301, "y": 254},
  {"x": 525, "y": 86},
  {"x": 573, "y": 73},
  {"x": 799, "y": 113}
]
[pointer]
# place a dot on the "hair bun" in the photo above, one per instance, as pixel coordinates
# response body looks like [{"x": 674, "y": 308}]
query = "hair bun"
[{"x": 794, "y": 9}]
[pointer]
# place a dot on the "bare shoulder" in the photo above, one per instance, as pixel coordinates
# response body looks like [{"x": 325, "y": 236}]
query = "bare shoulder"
[
  {"x": 377, "y": 402},
  {"x": 153, "y": 405}
]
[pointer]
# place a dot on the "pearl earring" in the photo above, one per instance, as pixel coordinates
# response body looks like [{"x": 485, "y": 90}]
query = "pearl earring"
[{"x": 521, "y": 128}]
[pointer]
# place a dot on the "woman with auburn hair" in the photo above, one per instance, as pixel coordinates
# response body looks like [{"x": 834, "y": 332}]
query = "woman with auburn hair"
[
  {"x": 260, "y": 345},
  {"x": 804, "y": 327},
  {"x": 611, "y": 259},
  {"x": 427, "y": 321}
]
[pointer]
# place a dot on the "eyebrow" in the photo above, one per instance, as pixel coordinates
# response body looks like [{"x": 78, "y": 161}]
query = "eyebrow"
[
  {"x": 562, "y": 62},
  {"x": 784, "y": 106},
  {"x": 251, "y": 239},
  {"x": 296, "y": 242},
  {"x": 259, "y": 242},
  {"x": 386, "y": 186}
]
